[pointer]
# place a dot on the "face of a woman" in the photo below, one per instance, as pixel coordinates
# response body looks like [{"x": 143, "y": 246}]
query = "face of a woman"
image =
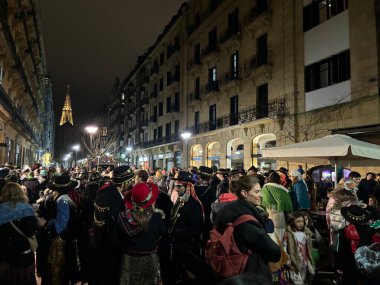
[
  {"x": 371, "y": 202},
  {"x": 254, "y": 194},
  {"x": 299, "y": 223}
]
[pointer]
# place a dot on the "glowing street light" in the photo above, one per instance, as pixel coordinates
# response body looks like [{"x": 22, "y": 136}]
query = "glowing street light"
[
  {"x": 76, "y": 148},
  {"x": 186, "y": 136},
  {"x": 91, "y": 130}
]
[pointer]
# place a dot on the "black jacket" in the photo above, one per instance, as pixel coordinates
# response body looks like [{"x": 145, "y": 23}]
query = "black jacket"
[
  {"x": 222, "y": 187},
  {"x": 250, "y": 236}
]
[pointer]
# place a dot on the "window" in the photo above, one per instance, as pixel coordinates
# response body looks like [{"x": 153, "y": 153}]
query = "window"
[
  {"x": 155, "y": 114},
  {"x": 197, "y": 19},
  {"x": 235, "y": 65},
  {"x": 328, "y": 71},
  {"x": 168, "y": 129},
  {"x": 161, "y": 84},
  {"x": 212, "y": 117},
  {"x": 176, "y": 127},
  {"x": 261, "y": 6},
  {"x": 233, "y": 20},
  {"x": 176, "y": 72},
  {"x": 154, "y": 134},
  {"x": 320, "y": 11},
  {"x": 197, "y": 88},
  {"x": 234, "y": 110},
  {"x": 162, "y": 58},
  {"x": 176, "y": 101},
  {"x": 196, "y": 122},
  {"x": 262, "y": 50},
  {"x": 212, "y": 76},
  {"x": 197, "y": 53},
  {"x": 212, "y": 39},
  {"x": 160, "y": 109},
  {"x": 159, "y": 132},
  {"x": 168, "y": 104},
  {"x": 262, "y": 100},
  {"x": 168, "y": 78}
]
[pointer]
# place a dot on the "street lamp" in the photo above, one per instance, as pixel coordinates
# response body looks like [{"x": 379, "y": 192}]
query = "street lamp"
[
  {"x": 91, "y": 130},
  {"x": 76, "y": 148},
  {"x": 186, "y": 136}
]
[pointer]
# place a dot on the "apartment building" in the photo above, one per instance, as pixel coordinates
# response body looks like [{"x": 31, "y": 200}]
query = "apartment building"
[
  {"x": 252, "y": 75},
  {"x": 26, "y": 104}
]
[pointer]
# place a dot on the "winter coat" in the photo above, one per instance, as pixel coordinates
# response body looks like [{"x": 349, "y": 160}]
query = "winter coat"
[
  {"x": 250, "y": 236},
  {"x": 276, "y": 196},
  {"x": 365, "y": 188},
  {"x": 222, "y": 187},
  {"x": 303, "y": 200}
]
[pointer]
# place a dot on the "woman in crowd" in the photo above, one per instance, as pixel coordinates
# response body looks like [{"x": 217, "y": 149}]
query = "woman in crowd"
[
  {"x": 277, "y": 201},
  {"x": 250, "y": 236},
  {"x": 300, "y": 189},
  {"x": 223, "y": 199},
  {"x": 138, "y": 230},
  {"x": 17, "y": 222}
]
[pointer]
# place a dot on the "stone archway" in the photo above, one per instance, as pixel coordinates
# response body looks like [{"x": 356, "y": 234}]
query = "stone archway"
[
  {"x": 235, "y": 154},
  {"x": 196, "y": 158},
  {"x": 213, "y": 154},
  {"x": 262, "y": 142}
]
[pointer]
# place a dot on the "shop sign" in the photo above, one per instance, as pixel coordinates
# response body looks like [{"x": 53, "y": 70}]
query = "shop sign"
[
  {"x": 197, "y": 158},
  {"x": 141, "y": 159},
  {"x": 155, "y": 157},
  {"x": 161, "y": 156},
  {"x": 214, "y": 157},
  {"x": 235, "y": 156}
]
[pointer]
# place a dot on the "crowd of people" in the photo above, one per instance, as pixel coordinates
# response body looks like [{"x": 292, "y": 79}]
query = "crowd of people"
[{"x": 128, "y": 225}]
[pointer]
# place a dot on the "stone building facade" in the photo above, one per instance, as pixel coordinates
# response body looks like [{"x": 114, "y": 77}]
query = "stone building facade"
[
  {"x": 26, "y": 104},
  {"x": 246, "y": 75}
]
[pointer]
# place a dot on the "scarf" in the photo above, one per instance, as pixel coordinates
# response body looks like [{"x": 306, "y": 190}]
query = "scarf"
[{"x": 10, "y": 213}]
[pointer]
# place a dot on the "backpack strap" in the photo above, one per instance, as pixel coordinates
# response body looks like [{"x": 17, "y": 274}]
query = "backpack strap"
[{"x": 245, "y": 218}]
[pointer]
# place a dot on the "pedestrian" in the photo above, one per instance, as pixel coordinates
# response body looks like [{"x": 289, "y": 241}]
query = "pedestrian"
[
  {"x": 17, "y": 222},
  {"x": 250, "y": 236},
  {"x": 298, "y": 242},
  {"x": 300, "y": 189},
  {"x": 222, "y": 187},
  {"x": 223, "y": 200},
  {"x": 138, "y": 230},
  {"x": 366, "y": 187}
]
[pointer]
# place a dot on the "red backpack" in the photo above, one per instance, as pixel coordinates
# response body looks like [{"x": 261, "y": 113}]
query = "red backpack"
[{"x": 222, "y": 253}]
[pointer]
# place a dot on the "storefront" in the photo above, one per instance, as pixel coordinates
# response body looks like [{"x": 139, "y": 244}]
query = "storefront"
[
  {"x": 178, "y": 157},
  {"x": 196, "y": 155},
  {"x": 169, "y": 160}
]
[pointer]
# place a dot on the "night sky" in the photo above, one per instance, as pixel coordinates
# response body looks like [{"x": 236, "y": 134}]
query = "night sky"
[{"x": 88, "y": 43}]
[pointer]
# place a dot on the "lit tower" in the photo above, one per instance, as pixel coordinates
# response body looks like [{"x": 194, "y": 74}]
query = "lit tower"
[{"x": 67, "y": 115}]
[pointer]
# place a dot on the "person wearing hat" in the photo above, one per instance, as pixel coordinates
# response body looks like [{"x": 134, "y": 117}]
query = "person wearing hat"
[
  {"x": 108, "y": 203},
  {"x": 186, "y": 224},
  {"x": 138, "y": 231},
  {"x": 222, "y": 187},
  {"x": 356, "y": 234},
  {"x": 62, "y": 262},
  {"x": 33, "y": 187}
]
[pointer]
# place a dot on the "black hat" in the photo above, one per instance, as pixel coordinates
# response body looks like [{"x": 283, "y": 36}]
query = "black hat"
[
  {"x": 183, "y": 176},
  {"x": 214, "y": 168},
  {"x": 12, "y": 178},
  {"x": 122, "y": 174},
  {"x": 62, "y": 183},
  {"x": 205, "y": 172},
  {"x": 355, "y": 214},
  {"x": 223, "y": 171},
  {"x": 284, "y": 170},
  {"x": 242, "y": 171},
  {"x": 4, "y": 172},
  {"x": 9, "y": 165}
]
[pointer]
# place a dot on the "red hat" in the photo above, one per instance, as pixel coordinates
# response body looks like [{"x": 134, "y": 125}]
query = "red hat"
[{"x": 142, "y": 195}]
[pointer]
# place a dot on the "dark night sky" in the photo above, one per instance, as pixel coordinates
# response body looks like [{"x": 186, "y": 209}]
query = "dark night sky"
[{"x": 90, "y": 42}]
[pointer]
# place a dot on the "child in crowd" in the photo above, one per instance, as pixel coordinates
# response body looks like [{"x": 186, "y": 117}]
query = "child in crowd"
[{"x": 299, "y": 247}]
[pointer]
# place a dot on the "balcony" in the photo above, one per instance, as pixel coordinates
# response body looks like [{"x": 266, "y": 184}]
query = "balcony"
[
  {"x": 162, "y": 140},
  {"x": 172, "y": 49},
  {"x": 145, "y": 80},
  {"x": 153, "y": 95},
  {"x": 153, "y": 120},
  {"x": 257, "y": 20},
  {"x": 195, "y": 65},
  {"x": 210, "y": 54},
  {"x": 144, "y": 124},
  {"x": 210, "y": 88},
  {"x": 154, "y": 70},
  {"x": 258, "y": 69},
  {"x": 231, "y": 38},
  {"x": 230, "y": 80},
  {"x": 145, "y": 102},
  {"x": 174, "y": 81},
  {"x": 174, "y": 108},
  {"x": 194, "y": 98}
]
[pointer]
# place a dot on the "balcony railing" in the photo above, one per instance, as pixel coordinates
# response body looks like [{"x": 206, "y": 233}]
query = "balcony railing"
[
  {"x": 174, "y": 108},
  {"x": 209, "y": 49},
  {"x": 194, "y": 61},
  {"x": 228, "y": 33},
  {"x": 161, "y": 140},
  {"x": 230, "y": 76},
  {"x": 275, "y": 107},
  {"x": 153, "y": 119},
  {"x": 210, "y": 87},
  {"x": 154, "y": 69},
  {"x": 194, "y": 96}
]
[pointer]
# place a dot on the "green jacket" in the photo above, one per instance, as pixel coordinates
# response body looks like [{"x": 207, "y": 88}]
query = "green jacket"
[{"x": 276, "y": 196}]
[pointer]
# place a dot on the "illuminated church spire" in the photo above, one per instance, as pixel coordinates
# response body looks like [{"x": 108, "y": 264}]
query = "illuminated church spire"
[{"x": 67, "y": 115}]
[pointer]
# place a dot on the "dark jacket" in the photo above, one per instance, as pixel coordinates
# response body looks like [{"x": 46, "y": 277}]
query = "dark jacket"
[
  {"x": 33, "y": 187},
  {"x": 365, "y": 188},
  {"x": 222, "y": 187},
  {"x": 250, "y": 236}
]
